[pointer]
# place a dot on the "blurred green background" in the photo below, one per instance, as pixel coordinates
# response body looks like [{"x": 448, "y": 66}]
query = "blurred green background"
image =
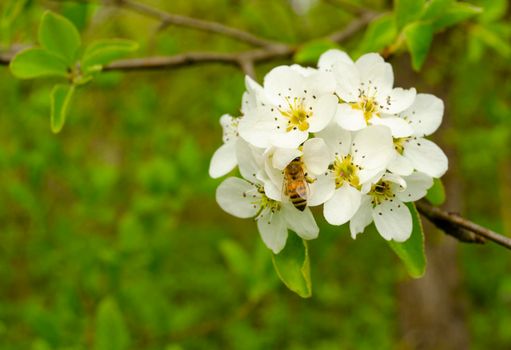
[{"x": 110, "y": 237}]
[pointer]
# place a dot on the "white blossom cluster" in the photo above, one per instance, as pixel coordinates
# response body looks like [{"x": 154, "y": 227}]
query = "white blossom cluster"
[{"x": 340, "y": 135}]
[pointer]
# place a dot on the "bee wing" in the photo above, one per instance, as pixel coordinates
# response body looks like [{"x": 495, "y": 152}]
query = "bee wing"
[{"x": 303, "y": 189}]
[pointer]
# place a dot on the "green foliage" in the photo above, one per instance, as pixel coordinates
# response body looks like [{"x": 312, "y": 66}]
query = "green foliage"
[
  {"x": 59, "y": 36},
  {"x": 60, "y": 97},
  {"x": 111, "y": 332},
  {"x": 418, "y": 36},
  {"x": 407, "y": 11},
  {"x": 103, "y": 51},
  {"x": 292, "y": 265},
  {"x": 411, "y": 252},
  {"x": 309, "y": 52},
  {"x": 436, "y": 194},
  {"x": 36, "y": 63},
  {"x": 380, "y": 33}
]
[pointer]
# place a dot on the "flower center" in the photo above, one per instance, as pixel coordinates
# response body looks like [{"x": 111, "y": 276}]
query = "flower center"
[
  {"x": 399, "y": 144},
  {"x": 381, "y": 191},
  {"x": 265, "y": 203},
  {"x": 296, "y": 115},
  {"x": 368, "y": 105},
  {"x": 345, "y": 171}
]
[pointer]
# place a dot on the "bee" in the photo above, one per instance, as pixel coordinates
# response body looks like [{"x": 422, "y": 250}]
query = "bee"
[{"x": 296, "y": 186}]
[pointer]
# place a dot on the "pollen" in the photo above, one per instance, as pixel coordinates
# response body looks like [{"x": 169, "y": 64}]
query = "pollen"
[
  {"x": 368, "y": 105},
  {"x": 380, "y": 192},
  {"x": 345, "y": 171},
  {"x": 399, "y": 144},
  {"x": 297, "y": 115}
]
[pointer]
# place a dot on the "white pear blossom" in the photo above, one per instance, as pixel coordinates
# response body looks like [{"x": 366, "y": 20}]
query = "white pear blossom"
[
  {"x": 244, "y": 199},
  {"x": 414, "y": 151},
  {"x": 292, "y": 103},
  {"x": 315, "y": 158},
  {"x": 356, "y": 161},
  {"x": 357, "y": 145},
  {"x": 365, "y": 92},
  {"x": 224, "y": 159},
  {"x": 384, "y": 204}
]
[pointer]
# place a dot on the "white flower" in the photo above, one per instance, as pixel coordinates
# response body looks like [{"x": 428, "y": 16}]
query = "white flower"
[
  {"x": 224, "y": 158},
  {"x": 416, "y": 152},
  {"x": 314, "y": 156},
  {"x": 356, "y": 163},
  {"x": 292, "y": 103},
  {"x": 384, "y": 204},
  {"x": 365, "y": 91},
  {"x": 244, "y": 199}
]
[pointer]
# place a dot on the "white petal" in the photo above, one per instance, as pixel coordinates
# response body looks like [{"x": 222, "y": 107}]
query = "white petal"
[
  {"x": 257, "y": 129},
  {"x": 323, "y": 109},
  {"x": 395, "y": 179},
  {"x": 343, "y": 205},
  {"x": 393, "y": 220},
  {"x": 348, "y": 81},
  {"x": 283, "y": 156},
  {"x": 289, "y": 139},
  {"x": 400, "y": 165},
  {"x": 373, "y": 147},
  {"x": 398, "y": 126},
  {"x": 273, "y": 190},
  {"x": 426, "y": 157},
  {"x": 425, "y": 114},
  {"x": 249, "y": 159},
  {"x": 318, "y": 84},
  {"x": 302, "y": 222},
  {"x": 337, "y": 139},
  {"x": 375, "y": 73},
  {"x": 417, "y": 185},
  {"x": 223, "y": 160},
  {"x": 331, "y": 57},
  {"x": 349, "y": 118},
  {"x": 273, "y": 230},
  {"x": 397, "y": 100},
  {"x": 362, "y": 218},
  {"x": 369, "y": 176},
  {"x": 283, "y": 81},
  {"x": 238, "y": 197},
  {"x": 321, "y": 190},
  {"x": 316, "y": 156}
]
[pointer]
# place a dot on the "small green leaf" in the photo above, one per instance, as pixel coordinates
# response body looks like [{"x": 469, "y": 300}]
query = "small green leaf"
[
  {"x": 60, "y": 97},
  {"x": 380, "y": 33},
  {"x": 310, "y": 52},
  {"x": 435, "y": 8},
  {"x": 411, "y": 252},
  {"x": 407, "y": 11},
  {"x": 292, "y": 265},
  {"x": 58, "y": 35},
  {"x": 111, "y": 332},
  {"x": 36, "y": 62},
  {"x": 436, "y": 194},
  {"x": 105, "y": 51},
  {"x": 418, "y": 36},
  {"x": 455, "y": 13}
]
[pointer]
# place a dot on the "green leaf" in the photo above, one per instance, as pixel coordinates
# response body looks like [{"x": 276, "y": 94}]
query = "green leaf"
[
  {"x": 436, "y": 194},
  {"x": 380, "y": 33},
  {"x": 435, "y": 8},
  {"x": 105, "y": 51},
  {"x": 407, "y": 11},
  {"x": 36, "y": 62},
  {"x": 493, "y": 37},
  {"x": 58, "y": 35},
  {"x": 60, "y": 97},
  {"x": 111, "y": 332},
  {"x": 418, "y": 36},
  {"x": 310, "y": 52},
  {"x": 455, "y": 13},
  {"x": 411, "y": 252},
  {"x": 292, "y": 265}
]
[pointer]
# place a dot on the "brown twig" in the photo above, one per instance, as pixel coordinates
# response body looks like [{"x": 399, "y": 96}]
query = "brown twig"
[
  {"x": 167, "y": 19},
  {"x": 459, "y": 227}
]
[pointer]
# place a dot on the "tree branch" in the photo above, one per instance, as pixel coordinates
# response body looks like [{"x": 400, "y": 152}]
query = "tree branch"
[
  {"x": 167, "y": 19},
  {"x": 459, "y": 227}
]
